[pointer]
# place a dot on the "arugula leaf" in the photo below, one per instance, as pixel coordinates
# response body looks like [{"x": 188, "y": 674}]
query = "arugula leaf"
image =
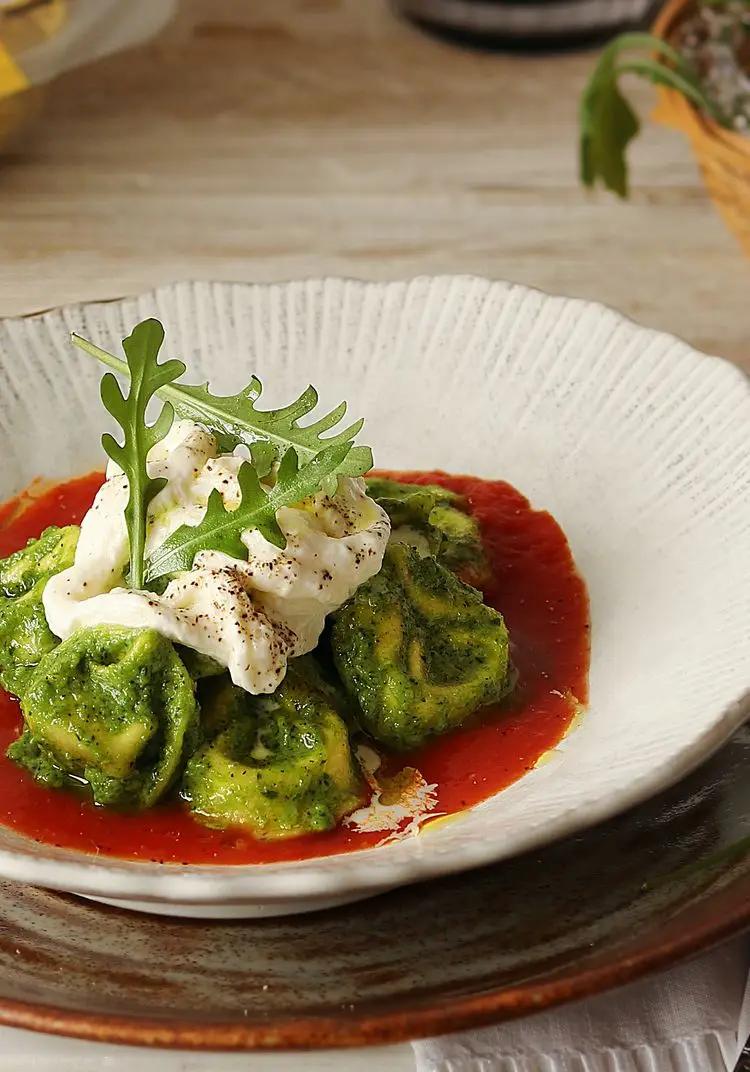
[
  {"x": 146, "y": 378},
  {"x": 608, "y": 123},
  {"x": 220, "y": 529},
  {"x": 234, "y": 419}
]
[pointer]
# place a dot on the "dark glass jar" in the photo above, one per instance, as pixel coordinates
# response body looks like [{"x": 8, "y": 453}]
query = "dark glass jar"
[{"x": 534, "y": 24}]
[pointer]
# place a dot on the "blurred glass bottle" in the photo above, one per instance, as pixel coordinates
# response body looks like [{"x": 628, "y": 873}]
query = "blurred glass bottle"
[
  {"x": 40, "y": 39},
  {"x": 532, "y": 24}
]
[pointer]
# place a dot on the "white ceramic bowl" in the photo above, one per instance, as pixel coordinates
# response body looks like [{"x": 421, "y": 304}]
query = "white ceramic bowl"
[{"x": 637, "y": 444}]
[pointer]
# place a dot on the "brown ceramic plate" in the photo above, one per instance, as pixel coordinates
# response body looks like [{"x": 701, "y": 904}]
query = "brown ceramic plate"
[{"x": 662, "y": 881}]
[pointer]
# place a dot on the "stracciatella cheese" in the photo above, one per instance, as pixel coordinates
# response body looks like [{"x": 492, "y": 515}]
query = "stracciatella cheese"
[{"x": 250, "y": 616}]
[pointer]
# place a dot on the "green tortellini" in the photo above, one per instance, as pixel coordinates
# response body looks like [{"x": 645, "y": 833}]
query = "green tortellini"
[
  {"x": 221, "y": 702},
  {"x": 432, "y": 519},
  {"x": 199, "y": 666},
  {"x": 113, "y": 707},
  {"x": 25, "y": 636},
  {"x": 116, "y": 711},
  {"x": 277, "y": 766},
  {"x": 418, "y": 650}
]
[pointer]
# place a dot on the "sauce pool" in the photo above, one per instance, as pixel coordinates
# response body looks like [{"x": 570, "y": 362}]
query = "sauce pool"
[{"x": 533, "y": 582}]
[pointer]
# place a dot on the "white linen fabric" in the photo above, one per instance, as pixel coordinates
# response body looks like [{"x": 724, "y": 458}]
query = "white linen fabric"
[{"x": 693, "y": 1018}]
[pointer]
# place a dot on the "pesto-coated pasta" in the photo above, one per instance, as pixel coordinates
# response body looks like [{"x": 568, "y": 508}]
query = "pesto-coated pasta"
[
  {"x": 418, "y": 650},
  {"x": 434, "y": 520},
  {"x": 25, "y": 636},
  {"x": 112, "y": 706},
  {"x": 277, "y": 766}
]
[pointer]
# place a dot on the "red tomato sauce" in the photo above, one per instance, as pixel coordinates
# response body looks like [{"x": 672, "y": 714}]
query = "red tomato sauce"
[{"x": 533, "y": 583}]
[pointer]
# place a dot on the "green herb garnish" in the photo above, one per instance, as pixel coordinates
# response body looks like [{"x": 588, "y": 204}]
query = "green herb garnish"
[
  {"x": 146, "y": 378},
  {"x": 234, "y": 420},
  {"x": 608, "y": 123},
  {"x": 274, "y": 437},
  {"x": 220, "y": 529}
]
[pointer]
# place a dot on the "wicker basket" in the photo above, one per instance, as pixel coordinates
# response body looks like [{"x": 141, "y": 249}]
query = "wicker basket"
[{"x": 724, "y": 156}]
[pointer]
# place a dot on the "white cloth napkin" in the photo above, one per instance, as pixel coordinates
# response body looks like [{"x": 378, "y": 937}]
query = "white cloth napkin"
[{"x": 693, "y": 1018}]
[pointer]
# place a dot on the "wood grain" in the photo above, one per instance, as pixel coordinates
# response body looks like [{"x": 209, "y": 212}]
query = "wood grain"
[{"x": 272, "y": 140}]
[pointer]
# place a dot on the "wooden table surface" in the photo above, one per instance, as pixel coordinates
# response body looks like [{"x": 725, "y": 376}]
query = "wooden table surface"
[{"x": 287, "y": 138}]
